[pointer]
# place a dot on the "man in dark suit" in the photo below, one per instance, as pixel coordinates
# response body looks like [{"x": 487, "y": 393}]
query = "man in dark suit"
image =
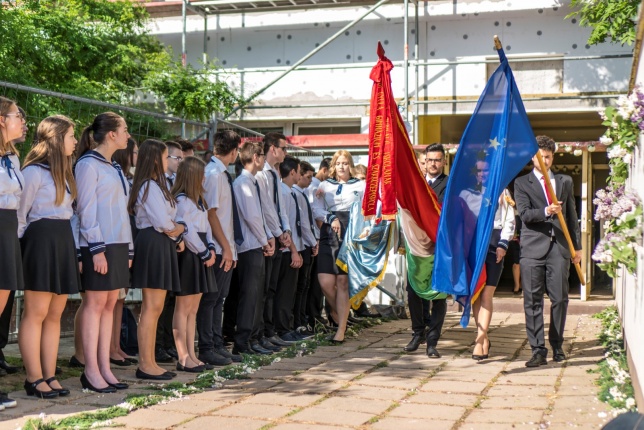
[
  {"x": 427, "y": 317},
  {"x": 545, "y": 257}
]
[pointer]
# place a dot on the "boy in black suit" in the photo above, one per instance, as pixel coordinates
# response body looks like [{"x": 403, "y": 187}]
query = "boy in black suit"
[{"x": 545, "y": 257}]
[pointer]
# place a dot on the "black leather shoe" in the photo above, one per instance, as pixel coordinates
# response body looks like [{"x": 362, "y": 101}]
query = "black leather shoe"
[
  {"x": 62, "y": 391},
  {"x": 432, "y": 352},
  {"x": 87, "y": 385},
  {"x": 415, "y": 342},
  {"x": 266, "y": 344},
  {"x": 213, "y": 358},
  {"x": 243, "y": 350},
  {"x": 8, "y": 367},
  {"x": 162, "y": 377},
  {"x": 3, "y": 372},
  {"x": 73, "y": 362},
  {"x": 31, "y": 390},
  {"x": 236, "y": 358},
  {"x": 276, "y": 340},
  {"x": 558, "y": 355},
  {"x": 259, "y": 349},
  {"x": 536, "y": 360},
  {"x": 161, "y": 356},
  {"x": 172, "y": 352},
  {"x": 365, "y": 311}
]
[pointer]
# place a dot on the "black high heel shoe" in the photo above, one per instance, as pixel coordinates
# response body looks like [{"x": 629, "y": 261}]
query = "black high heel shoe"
[
  {"x": 483, "y": 356},
  {"x": 87, "y": 385},
  {"x": 30, "y": 388},
  {"x": 62, "y": 392}
]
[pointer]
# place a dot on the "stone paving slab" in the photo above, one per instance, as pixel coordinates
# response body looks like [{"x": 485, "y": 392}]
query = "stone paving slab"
[{"x": 368, "y": 383}]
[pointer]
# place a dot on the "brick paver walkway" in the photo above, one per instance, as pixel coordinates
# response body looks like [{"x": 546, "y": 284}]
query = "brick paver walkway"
[{"x": 368, "y": 383}]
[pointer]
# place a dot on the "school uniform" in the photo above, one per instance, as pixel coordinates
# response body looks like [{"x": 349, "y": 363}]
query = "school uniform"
[
  {"x": 49, "y": 257},
  {"x": 155, "y": 256},
  {"x": 315, "y": 298},
  {"x": 196, "y": 278},
  {"x": 11, "y": 185},
  {"x": 277, "y": 221},
  {"x": 101, "y": 207},
  {"x": 250, "y": 264},
  {"x": 219, "y": 196},
  {"x": 309, "y": 238},
  {"x": 334, "y": 203},
  {"x": 287, "y": 284}
]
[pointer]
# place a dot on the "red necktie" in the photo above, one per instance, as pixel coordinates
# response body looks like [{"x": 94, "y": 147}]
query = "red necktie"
[{"x": 548, "y": 196}]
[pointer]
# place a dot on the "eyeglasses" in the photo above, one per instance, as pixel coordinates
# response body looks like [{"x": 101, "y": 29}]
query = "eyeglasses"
[
  {"x": 18, "y": 115},
  {"x": 175, "y": 157},
  {"x": 433, "y": 160}
]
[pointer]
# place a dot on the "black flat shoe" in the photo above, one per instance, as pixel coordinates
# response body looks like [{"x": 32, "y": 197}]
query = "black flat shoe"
[
  {"x": 73, "y": 362},
  {"x": 172, "y": 374},
  {"x": 62, "y": 392},
  {"x": 131, "y": 360},
  {"x": 331, "y": 339},
  {"x": 195, "y": 369},
  {"x": 31, "y": 390},
  {"x": 121, "y": 362},
  {"x": 162, "y": 377},
  {"x": 119, "y": 385},
  {"x": 88, "y": 386}
]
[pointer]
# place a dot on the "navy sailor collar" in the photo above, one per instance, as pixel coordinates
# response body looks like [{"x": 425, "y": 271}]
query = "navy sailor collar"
[{"x": 350, "y": 181}]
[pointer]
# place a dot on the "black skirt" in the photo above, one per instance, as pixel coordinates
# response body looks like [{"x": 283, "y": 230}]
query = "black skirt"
[
  {"x": 49, "y": 258},
  {"x": 118, "y": 271},
  {"x": 11, "y": 260},
  {"x": 330, "y": 245},
  {"x": 155, "y": 262},
  {"x": 196, "y": 278}
]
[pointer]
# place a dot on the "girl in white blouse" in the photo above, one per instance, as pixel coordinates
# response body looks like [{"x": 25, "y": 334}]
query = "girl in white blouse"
[
  {"x": 196, "y": 263},
  {"x": 155, "y": 269},
  {"x": 50, "y": 265},
  {"x": 331, "y": 208}
]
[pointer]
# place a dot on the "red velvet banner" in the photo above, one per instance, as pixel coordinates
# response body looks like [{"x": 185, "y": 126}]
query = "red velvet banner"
[{"x": 380, "y": 184}]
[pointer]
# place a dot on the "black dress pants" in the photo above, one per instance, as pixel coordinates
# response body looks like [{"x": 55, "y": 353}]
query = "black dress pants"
[
  {"x": 437, "y": 310},
  {"x": 251, "y": 278},
  {"x": 285, "y": 296},
  {"x": 264, "y": 327},
  {"x": 548, "y": 274},
  {"x": 165, "y": 338},
  {"x": 230, "y": 307},
  {"x": 303, "y": 281},
  {"x": 315, "y": 298},
  {"x": 5, "y": 322},
  {"x": 211, "y": 306}
]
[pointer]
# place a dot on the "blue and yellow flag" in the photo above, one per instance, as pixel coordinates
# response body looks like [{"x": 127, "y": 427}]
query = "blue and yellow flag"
[{"x": 497, "y": 143}]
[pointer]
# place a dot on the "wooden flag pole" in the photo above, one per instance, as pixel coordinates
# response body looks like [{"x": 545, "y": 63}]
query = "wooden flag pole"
[
  {"x": 544, "y": 171},
  {"x": 562, "y": 221}
]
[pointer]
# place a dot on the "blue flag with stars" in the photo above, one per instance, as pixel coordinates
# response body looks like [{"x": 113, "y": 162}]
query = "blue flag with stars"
[{"x": 497, "y": 143}]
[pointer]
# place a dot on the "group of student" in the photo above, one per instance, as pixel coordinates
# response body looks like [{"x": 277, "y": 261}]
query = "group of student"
[{"x": 210, "y": 252}]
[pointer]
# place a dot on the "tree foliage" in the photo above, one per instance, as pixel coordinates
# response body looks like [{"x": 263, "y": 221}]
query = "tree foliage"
[
  {"x": 613, "y": 20},
  {"x": 99, "y": 49}
]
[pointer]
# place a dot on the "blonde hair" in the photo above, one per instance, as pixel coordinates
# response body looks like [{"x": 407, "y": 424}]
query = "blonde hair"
[
  {"x": 50, "y": 149},
  {"x": 6, "y": 147},
  {"x": 189, "y": 180},
  {"x": 337, "y": 155}
]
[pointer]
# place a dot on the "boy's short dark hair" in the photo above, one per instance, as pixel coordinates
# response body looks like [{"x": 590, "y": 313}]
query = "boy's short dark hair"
[
  {"x": 226, "y": 141},
  {"x": 546, "y": 143},
  {"x": 306, "y": 167},
  {"x": 272, "y": 139},
  {"x": 325, "y": 163},
  {"x": 186, "y": 145},
  {"x": 289, "y": 163}
]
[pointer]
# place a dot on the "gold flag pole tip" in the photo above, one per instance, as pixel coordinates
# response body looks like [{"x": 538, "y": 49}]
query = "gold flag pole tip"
[{"x": 497, "y": 43}]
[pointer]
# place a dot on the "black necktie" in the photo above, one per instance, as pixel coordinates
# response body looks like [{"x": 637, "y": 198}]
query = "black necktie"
[
  {"x": 6, "y": 162},
  {"x": 170, "y": 181},
  {"x": 259, "y": 197},
  {"x": 308, "y": 208},
  {"x": 239, "y": 237},
  {"x": 298, "y": 223},
  {"x": 277, "y": 199}
]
